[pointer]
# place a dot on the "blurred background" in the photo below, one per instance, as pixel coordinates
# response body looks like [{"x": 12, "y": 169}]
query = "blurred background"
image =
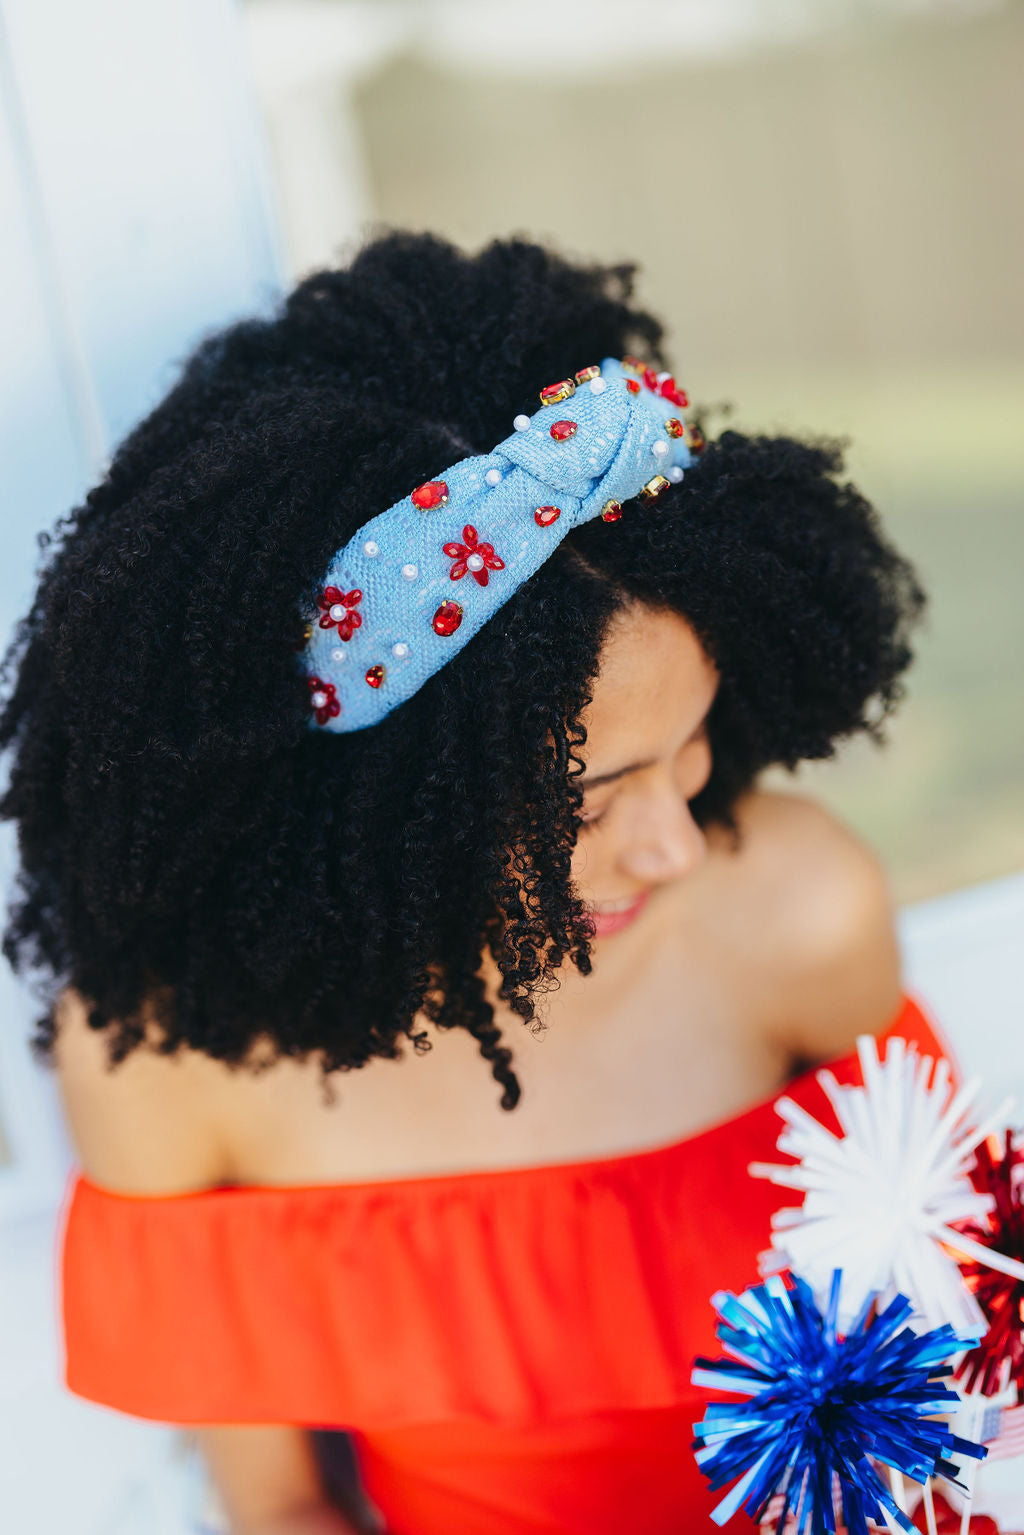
[{"x": 824, "y": 200}]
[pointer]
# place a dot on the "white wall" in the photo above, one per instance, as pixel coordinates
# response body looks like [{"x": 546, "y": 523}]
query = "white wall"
[{"x": 134, "y": 216}]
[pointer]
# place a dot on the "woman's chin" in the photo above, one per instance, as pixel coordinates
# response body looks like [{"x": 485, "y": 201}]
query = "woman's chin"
[{"x": 615, "y": 917}]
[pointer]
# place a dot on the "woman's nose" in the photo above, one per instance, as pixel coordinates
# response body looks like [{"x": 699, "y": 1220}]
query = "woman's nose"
[{"x": 665, "y": 845}]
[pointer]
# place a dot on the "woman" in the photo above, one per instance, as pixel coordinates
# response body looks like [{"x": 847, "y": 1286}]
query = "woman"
[{"x": 541, "y": 809}]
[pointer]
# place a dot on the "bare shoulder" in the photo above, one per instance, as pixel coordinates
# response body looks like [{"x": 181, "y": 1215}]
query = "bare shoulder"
[
  {"x": 793, "y": 835},
  {"x": 144, "y": 1125},
  {"x": 819, "y": 921}
]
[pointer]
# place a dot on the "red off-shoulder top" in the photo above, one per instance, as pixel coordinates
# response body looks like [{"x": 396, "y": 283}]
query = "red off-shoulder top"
[{"x": 510, "y": 1349}]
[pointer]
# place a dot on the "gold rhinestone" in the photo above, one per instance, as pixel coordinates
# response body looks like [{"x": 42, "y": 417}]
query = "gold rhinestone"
[
  {"x": 307, "y": 631},
  {"x": 634, "y": 362},
  {"x": 653, "y": 489},
  {"x": 586, "y": 374},
  {"x": 554, "y": 394},
  {"x": 695, "y": 439},
  {"x": 674, "y": 427}
]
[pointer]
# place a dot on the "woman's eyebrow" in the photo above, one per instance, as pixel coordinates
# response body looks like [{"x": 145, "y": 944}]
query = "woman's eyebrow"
[
  {"x": 635, "y": 767},
  {"x": 603, "y": 778}
]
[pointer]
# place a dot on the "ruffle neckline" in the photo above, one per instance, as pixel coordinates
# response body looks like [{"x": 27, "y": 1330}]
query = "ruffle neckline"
[{"x": 512, "y": 1294}]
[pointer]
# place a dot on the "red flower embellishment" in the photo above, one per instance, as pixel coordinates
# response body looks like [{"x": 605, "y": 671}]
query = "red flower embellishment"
[
  {"x": 323, "y": 700},
  {"x": 666, "y": 387},
  {"x": 473, "y": 556},
  {"x": 339, "y": 608}
]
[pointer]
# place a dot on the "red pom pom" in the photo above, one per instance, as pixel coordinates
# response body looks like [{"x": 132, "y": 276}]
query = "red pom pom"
[
  {"x": 948, "y": 1520},
  {"x": 998, "y": 1361}
]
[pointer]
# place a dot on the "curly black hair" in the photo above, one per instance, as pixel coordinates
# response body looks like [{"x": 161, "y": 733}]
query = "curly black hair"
[{"x": 191, "y": 851}]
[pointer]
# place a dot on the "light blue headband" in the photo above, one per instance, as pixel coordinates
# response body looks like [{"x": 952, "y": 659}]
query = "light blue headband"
[{"x": 417, "y": 581}]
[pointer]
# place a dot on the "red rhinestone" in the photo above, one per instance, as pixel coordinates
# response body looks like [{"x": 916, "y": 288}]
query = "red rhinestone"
[
  {"x": 375, "y": 676},
  {"x": 561, "y": 431},
  {"x": 651, "y": 379},
  {"x": 695, "y": 439},
  {"x": 634, "y": 363},
  {"x": 612, "y": 511},
  {"x": 584, "y": 375},
  {"x": 447, "y": 618},
  {"x": 632, "y": 386},
  {"x": 674, "y": 427},
  {"x": 427, "y": 496},
  {"x": 655, "y": 487},
  {"x": 544, "y": 516},
  {"x": 554, "y": 394}
]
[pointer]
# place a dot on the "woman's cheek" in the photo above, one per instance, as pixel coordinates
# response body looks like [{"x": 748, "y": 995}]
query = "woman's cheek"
[{"x": 698, "y": 771}]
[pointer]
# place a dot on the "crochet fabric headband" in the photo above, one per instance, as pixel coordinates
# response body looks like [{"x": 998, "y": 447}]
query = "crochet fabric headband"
[{"x": 417, "y": 581}]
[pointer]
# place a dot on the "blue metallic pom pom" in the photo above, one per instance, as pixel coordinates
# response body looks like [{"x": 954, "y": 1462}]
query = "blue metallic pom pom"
[{"x": 823, "y": 1408}]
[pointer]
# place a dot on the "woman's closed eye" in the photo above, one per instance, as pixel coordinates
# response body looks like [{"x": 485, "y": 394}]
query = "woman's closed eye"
[
  {"x": 695, "y": 762},
  {"x": 585, "y": 819}
]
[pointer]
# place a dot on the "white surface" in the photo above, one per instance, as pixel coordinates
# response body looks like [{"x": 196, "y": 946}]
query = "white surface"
[
  {"x": 134, "y": 217},
  {"x": 68, "y": 1467},
  {"x": 965, "y": 959}
]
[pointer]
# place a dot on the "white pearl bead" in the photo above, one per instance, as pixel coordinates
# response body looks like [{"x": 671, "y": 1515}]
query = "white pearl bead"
[
  {"x": 598, "y": 385},
  {"x": 674, "y": 474},
  {"x": 400, "y": 650},
  {"x": 336, "y": 611},
  {"x": 521, "y": 423},
  {"x": 370, "y": 549},
  {"x": 337, "y": 654},
  {"x": 410, "y": 572},
  {"x": 318, "y": 699},
  {"x": 660, "y": 448},
  {"x": 475, "y": 562},
  {"x": 663, "y": 376},
  {"x": 493, "y": 476}
]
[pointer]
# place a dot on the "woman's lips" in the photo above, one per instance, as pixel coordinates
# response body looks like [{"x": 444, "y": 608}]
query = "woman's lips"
[{"x": 615, "y": 916}]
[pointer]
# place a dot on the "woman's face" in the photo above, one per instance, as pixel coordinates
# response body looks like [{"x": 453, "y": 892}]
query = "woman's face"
[{"x": 647, "y": 755}]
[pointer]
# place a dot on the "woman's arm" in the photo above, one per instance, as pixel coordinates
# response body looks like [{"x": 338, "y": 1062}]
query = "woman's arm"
[
  {"x": 321, "y": 1519},
  {"x": 268, "y": 1483},
  {"x": 149, "y": 1127}
]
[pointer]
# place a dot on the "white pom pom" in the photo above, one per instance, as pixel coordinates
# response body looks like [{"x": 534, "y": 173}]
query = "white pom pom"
[
  {"x": 880, "y": 1202},
  {"x": 521, "y": 423}
]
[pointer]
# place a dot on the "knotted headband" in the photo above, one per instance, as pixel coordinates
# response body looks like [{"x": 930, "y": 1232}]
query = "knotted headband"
[{"x": 417, "y": 581}]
